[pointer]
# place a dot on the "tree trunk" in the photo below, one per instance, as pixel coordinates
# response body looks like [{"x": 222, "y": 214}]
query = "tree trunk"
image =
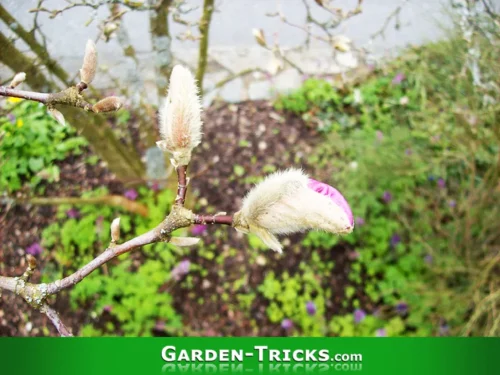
[
  {"x": 160, "y": 37},
  {"x": 36, "y": 47},
  {"x": 143, "y": 111},
  {"x": 123, "y": 161},
  {"x": 15, "y": 60}
]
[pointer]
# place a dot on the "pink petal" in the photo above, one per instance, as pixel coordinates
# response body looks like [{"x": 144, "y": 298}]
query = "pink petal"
[{"x": 333, "y": 194}]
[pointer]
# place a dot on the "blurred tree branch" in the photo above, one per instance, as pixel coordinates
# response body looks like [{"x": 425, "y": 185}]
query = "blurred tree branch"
[
  {"x": 161, "y": 41},
  {"x": 107, "y": 200},
  {"x": 204, "y": 27},
  {"x": 38, "y": 49}
]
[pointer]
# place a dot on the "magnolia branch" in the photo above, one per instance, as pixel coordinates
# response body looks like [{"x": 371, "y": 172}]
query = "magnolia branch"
[
  {"x": 214, "y": 219},
  {"x": 70, "y": 96},
  {"x": 182, "y": 182},
  {"x": 56, "y": 320},
  {"x": 36, "y": 294}
]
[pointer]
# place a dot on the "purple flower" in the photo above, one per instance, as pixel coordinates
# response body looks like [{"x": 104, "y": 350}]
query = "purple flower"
[
  {"x": 402, "y": 308},
  {"x": 452, "y": 203},
  {"x": 380, "y": 135},
  {"x": 359, "y": 221},
  {"x": 34, "y": 249},
  {"x": 131, "y": 194},
  {"x": 160, "y": 325},
  {"x": 428, "y": 259},
  {"x": 286, "y": 324},
  {"x": 198, "y": 229},
  {"x": 395, "y": 240},
  {"x": 398, "y": 78},
  {"x": 11, "y": 118},
  {"x": 359, "y": 315},
  {"x": 387, "y": 196},
  {"x": 353, "y": 255},
  {"x": 441, "y": 183},
  {"x": 381, "y": 332},
  {"x": 334, "y": 195},
  {"x": 408, "y": 151},
  {"x": 155, "y": 186},
  {"x": 444, "y": 329},
  {"x": 311, "y": 308},
  {"x": 181, "y": 269},
  {"x": 107, "y": 308},
  {"x": 73, "y": 213}
]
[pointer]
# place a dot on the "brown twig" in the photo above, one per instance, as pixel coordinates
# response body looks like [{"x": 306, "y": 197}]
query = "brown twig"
[
  {"x": 56, "y": 320},
  {"x": 28, "y": 95},
  {"x": 36, "y": 294},
  {"x": 55, "y": 12},
  {"x": 70, "y": 96},
  {"x": 393, "y": 15},
  {"x": 182, "y": 182},
  {"x": 213, "y": 219}
]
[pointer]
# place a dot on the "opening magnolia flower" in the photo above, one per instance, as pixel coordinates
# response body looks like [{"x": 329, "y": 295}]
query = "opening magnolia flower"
[{"x": 288, "y": 202}]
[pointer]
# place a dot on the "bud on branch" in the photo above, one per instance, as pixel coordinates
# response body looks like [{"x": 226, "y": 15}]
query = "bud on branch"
[
  {"x": 180, "y": 117},
  {"x": 58, "y": 116},
  {"x": 259, "y": 37},
  {"x": 89, "y": 67},
  {"x": 17, "y": 80},
  {"x": 288, "y": 202},
  {"x": 109, "y": 104},
  {"x": 115, "y": 230}
]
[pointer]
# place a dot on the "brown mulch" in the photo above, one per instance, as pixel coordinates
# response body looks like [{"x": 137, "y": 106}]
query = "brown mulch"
[{"x": 240, "y": 141}]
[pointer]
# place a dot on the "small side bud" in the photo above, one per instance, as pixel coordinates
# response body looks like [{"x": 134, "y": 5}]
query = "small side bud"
[
  {"x": 259, "y": 37},
  {"x": 319, "y": 2},
  {"x": 115, "y": 230},
  {"x": 89, "y": 67},
  {"x": 58, "y": 116},
  {"x": 184, "y": 241},
  {"x": 31, "y": 261},
  {"x": 342, "y": 43},
  {"x": 17, "y": 80},
  {"x": 109, "y": 104}
]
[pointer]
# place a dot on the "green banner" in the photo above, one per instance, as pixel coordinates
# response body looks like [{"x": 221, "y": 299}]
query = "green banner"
[{"x": 249, "y": 355}]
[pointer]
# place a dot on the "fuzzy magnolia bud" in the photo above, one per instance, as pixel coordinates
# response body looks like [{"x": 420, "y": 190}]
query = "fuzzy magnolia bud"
[
  {"x": 259, "y": 37},
  {"x": 180, "y": 117},
  {"x": 115, "y": 230},
  {"x": 58, "y": 116},
  {"x": 289, "y": 202},
  {"x": 89, "y": 67},
  {"x": 17, "y": 80},
  {"x": 109, "y": 104}
]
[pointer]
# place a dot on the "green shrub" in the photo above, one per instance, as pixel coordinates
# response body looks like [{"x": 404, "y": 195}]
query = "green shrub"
[
  {"x": 31, "y": 141},
  {"x": 418, "y": 161},
  {"x": 128, "y": 290}
]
